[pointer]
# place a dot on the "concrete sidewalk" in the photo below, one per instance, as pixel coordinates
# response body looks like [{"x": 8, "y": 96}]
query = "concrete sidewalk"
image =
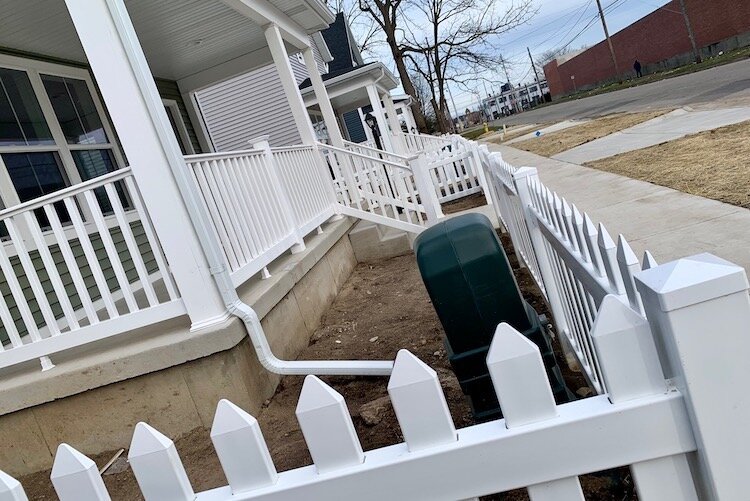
[
  {"x": 671, "y": 224},
  {"x": 673, "y": 125},
  {"x": 566, "y": 124}
]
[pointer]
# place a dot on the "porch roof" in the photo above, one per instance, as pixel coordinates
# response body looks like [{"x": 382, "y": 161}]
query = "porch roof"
[
  {"x": 181, "y": 38},
  {"x": 347, "y": 89}
]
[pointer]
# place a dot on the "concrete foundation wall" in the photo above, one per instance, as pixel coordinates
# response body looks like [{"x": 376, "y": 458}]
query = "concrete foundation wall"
[{"x": 182, "y": 397}]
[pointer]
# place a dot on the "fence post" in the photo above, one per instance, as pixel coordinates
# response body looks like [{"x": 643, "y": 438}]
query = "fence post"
[
  {"x": 427, "y": 193},
  {"x": 261, "y": 143},
  {"x": 75, "y": 476},
  {"x": 523, "y": 178},
  {"x": 699, "y": 312},
  {"x": 477, "y": 158}
]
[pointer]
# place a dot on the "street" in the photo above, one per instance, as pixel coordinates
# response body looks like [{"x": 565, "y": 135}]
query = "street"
[{"x": 722, "y": 86}]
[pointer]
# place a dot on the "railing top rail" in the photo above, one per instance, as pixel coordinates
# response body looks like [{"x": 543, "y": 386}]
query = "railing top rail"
[
  {"x": 295, "y": 147},
  {"x": 36, "y": 203},
  {"x": 223, "y": 154},
  {"x": 375, "y": 150},
  {"x": 366, "y": 157}
]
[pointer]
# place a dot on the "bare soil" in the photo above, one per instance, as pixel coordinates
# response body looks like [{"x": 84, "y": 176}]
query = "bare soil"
[
  {"x": 711, "y": 164},
  {"x": 382, "y": 308},
  {"x": 470, "y": 202},
  {"x": 562, "y": 140}
]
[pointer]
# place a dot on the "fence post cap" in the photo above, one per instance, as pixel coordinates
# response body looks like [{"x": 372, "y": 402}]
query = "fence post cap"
[
  {"x": 523, "y": 172},
  {"x": 691, "y": 280},
  {"x": 408, "y": 369},
  {"x": 316, "y": 395},
  {"x": 508, "y": 344},
  {"x": 10, "y": 485},
  {"x": 69, "y": 461},
  {"x": 147, "y": 440},
  {"x": 615, "y": 316},
  {"x": 229, "y": 418}
]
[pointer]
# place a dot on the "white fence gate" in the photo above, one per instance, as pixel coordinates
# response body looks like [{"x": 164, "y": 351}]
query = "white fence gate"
[{"x": 698, "y": 311}]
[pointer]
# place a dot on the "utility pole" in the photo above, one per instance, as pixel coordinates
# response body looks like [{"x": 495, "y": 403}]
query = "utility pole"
[
  {"x": 536, "y": 75},
  {"x": 609, "y": 40},
  {"x": 691, "y": 35},
  {"x": 455, "y": 110},
  {"x": 533, "y": 66},
  {"x": 513, "y": 94}
]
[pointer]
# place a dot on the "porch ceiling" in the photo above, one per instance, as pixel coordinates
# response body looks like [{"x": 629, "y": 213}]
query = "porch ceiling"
[
  {"x": 179, "y": 37},
  {"x": 348, "y": 91}
]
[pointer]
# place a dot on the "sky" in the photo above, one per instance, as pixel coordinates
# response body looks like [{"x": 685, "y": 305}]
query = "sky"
[{"x": 572, "y": 23}]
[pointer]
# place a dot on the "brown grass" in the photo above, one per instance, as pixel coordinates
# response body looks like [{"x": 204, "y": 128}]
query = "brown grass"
[
  {"x": 512, "y": 133},
  {"x": 563, "y": 140},
  {"x": 712, "y": 164}
]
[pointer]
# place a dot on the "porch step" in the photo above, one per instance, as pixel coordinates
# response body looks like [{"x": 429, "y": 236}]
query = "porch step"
[{"x": 372, "y": 241}]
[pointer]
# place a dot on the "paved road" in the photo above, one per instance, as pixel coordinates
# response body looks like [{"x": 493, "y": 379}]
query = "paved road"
[{"x": 723, "y": 86}]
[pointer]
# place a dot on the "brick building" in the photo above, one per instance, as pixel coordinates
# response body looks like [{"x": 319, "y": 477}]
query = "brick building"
[{"x": 659, "y": 41}]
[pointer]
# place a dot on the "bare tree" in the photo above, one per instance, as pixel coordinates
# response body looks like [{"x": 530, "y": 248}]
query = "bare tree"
[
  {"x": 386, "y": 14},
  {"x": 455, "y": 40}
]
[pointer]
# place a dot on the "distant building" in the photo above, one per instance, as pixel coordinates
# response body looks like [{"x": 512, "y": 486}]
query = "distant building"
[
  {"x": 515, "y": 99},
  {"x": 658, "y": 40}
]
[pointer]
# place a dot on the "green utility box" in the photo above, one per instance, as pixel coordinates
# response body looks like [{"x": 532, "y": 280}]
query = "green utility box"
[{"x": 472, "y": 287}]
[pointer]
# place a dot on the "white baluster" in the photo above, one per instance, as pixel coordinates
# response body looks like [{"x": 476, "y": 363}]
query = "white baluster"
[
  {"x": 631, "y": 370},
  {"x": 649, "y": 261},
  {"x": 525, "y": 397},
  {"x": 11, "y": 489},
  {"x": 241, "y": 448},
  {"x": 158, "y": 467},
  {"x": 76, "y": 477},
  {"x": 327, "y": 427},
  {"x": 608, "y": 251},
  {"x": 629, "y": 266},
  {"x": 419, "y": 403}
]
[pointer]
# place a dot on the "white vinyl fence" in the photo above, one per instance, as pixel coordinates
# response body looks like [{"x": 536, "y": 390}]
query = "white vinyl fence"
[
  {"x": 456, "y": 171},
  {"x": 575, "y": 262},
  {"x": 416, "y": 143},
  {"x": 80, "y": 265},
  {"x": 695, "y": 336}
]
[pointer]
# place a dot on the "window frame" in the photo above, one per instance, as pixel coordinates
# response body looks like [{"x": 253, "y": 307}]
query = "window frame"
[
  {"x": 182, "y": 129},
  {"x": 34, "y": 69}
]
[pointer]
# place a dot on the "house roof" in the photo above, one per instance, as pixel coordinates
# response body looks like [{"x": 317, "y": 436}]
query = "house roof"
[{"x": 341, "y": 43}]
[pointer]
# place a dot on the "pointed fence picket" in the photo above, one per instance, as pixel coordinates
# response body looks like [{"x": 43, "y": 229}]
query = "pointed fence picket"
[{"x": 642, "y": 422}]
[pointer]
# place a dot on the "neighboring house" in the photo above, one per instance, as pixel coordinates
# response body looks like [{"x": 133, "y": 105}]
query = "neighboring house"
[{"x": 254, "y": 104}]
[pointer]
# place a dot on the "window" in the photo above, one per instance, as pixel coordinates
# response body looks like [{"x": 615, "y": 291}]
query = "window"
[{"x": 53, "y": 133}]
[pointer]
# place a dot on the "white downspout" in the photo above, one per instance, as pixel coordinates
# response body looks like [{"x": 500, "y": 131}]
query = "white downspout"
[{"x": 245, "y": 312}]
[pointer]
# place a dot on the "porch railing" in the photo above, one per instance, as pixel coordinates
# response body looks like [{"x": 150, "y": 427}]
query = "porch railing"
[
  {"x": 78, "y": 265},
  {"x": 416, "y": 143},
  {"x": 262, "y": 202}
]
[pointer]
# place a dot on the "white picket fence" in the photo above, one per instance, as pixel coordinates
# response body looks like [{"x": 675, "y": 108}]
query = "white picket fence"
[
  {"x": 80, "y": 265},
  {"x": 698, "y": 310},
  {"x": 575, "y": 262},
  {"x": 416, "y": 143},
  {"x": 456, "y": 171}
]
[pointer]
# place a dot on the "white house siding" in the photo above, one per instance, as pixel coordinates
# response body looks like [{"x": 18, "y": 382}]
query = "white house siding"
[{"x": 251, "y": 105}]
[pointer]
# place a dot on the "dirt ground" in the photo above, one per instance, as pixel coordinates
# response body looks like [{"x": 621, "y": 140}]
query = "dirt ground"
[
  {"x": 711, "y": 164},
  {"x": 382, "y": 308},
  {"x": 556, "y": 142},
  {"x": 475, "y": 200}
]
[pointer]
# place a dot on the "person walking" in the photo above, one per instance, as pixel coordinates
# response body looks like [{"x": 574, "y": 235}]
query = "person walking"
[{"x": 637, "y": 68}]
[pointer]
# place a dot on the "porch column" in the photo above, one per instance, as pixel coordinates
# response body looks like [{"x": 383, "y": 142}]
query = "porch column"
[
  {"x": 130, "y": 94},
  {"x": 329, "y": 117},
  {"x": 289, "y": 83},
  {"x": 397, "y": 137},
  {"x": 377, "y": 110}
]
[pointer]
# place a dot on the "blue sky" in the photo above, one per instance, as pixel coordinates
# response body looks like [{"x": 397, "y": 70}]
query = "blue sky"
[{"x": 557, "y": 23}]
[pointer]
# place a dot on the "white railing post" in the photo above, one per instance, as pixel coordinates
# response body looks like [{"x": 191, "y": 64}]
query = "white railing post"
[
  {"x": 261, "y": 143},
  {"x": 479, "y": 171},
  {"x": 699, "y": 312},
  {"x": 427, "y": 193},
  {"x": 127, "y": 86},
  {"x": 522, "y": 179}
]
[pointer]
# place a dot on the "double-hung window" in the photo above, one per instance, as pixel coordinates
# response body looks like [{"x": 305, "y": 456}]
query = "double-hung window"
[{"x": 53, "y": 133}]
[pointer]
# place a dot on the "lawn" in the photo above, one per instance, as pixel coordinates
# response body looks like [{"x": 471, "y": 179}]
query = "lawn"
[
  {"x": 556, "y": 142},
  {"x": 475, "y": 133},
  {"x": 712, "y": 164}
]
